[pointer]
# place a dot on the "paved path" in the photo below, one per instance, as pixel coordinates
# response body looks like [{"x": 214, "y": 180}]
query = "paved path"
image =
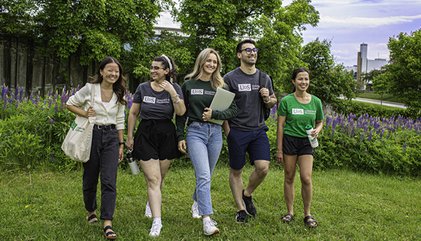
[{"x": 385, "y": 103}]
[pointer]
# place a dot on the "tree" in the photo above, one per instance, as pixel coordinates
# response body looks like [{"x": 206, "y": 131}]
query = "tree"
[
  {"x": 328, "y": 81},
  {"x": 404, "y": 69},
  {"x": 97, "y": 28},
  {"x": 381, "y": 84},
  {"x": 221, "y": 24}
]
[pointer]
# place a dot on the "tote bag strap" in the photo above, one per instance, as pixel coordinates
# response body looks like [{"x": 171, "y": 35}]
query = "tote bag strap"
[{"x": 92, "y": 118}]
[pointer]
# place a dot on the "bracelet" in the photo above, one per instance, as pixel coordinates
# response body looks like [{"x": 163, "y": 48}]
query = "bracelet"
[
  {"x": 121, "y": 143},
  {"x": 177, "y": 99}
]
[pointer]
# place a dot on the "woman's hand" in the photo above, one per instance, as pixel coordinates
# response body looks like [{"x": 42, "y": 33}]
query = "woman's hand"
[
  {"x": 207, "y": 114},
  {"x": 129, "y": 143},
  {"x": 167, "y": 86},
  {"x": 182, "y": 146},
  {"x": 90, "y": 112},
  {"x": 280, "y": 157},
  {"x": 120, "y": 153}
]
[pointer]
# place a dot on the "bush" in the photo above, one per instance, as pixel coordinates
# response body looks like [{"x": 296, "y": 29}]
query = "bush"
[
  {"x": 32, "y": 133},
  {"x": 360, "y": 108}
]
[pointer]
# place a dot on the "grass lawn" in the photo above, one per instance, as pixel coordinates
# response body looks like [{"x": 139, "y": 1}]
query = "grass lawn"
[
  {"x": 375, "y": 96},
  {"x": 348, "y": 206}
]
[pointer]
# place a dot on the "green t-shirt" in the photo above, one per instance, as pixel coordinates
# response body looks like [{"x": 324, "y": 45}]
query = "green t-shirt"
[{"x": 299, "y": 115}]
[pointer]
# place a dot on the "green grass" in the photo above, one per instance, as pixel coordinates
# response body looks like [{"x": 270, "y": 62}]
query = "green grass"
[
  {"x": 348, "y": 206},
  {"x": 375, "y": 96}
]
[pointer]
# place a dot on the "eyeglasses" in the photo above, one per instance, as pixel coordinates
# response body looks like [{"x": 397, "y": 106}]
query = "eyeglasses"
[
  {"x": 155, "y": 68},
  {"x": 249, "y": 50}
]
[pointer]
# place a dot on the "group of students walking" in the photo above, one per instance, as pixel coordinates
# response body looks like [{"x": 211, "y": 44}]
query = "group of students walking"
[{"x": 157, "y": 140}]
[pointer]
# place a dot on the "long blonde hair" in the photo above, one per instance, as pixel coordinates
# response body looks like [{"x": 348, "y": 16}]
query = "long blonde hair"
[{"x": 216, "y": 78}]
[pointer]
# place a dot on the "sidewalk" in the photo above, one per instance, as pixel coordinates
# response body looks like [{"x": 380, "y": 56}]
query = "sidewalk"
[{"x": 385, "y": 103}]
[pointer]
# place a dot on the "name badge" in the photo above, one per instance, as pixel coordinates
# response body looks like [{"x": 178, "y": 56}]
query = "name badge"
[
  {"x": 296, "y": 111},
  {"x": 196, "y": 92},
  {"x": 149, "y": 99},
  {"x": 244, "y": 87}
]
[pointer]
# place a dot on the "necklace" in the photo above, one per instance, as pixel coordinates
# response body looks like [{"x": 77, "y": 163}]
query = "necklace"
[{"x": 106, "y": 94}]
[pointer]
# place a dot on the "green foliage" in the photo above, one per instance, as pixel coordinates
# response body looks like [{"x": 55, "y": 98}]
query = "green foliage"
[
  {"x": 404, "y": 70},
  {"x": 33, "y": 135},
  {"x": 221, "y": 24},
  {"x": 360, "y": 108},
  {"x": 327, "y": 80}
]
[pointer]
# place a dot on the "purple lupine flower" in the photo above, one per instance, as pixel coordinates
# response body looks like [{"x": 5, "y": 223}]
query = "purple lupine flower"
[
  {"x": 4, "y": 91},
  {"x": 370, "y": 135}
]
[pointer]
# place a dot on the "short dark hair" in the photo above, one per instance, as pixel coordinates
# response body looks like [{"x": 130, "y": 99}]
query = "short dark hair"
[{"x": 245, "y": 41}]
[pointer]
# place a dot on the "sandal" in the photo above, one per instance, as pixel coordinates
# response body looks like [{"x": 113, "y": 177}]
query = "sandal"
[
  {"x": 287, "y": 218},
  {"x": 110, "y": 235},
  {"x": 92, "y": 218},
  {"x": 310, "y": 222}
]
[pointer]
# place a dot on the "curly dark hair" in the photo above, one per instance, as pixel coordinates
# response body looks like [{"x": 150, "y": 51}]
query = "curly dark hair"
[{"x": 172, "y": 74}]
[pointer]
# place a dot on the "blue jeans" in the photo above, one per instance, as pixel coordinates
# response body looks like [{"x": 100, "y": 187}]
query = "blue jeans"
[{"x": 204, "y": 143}]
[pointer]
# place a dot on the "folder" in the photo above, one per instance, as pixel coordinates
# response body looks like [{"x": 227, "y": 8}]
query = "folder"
[{"x": 221, "y": 101}]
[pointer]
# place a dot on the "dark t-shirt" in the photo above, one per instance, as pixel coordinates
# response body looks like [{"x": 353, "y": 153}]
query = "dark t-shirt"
[
  {"x": 247, "y": 98},
  {"x": 198, "y": 95},
  {"x": 155, "y": 105}
]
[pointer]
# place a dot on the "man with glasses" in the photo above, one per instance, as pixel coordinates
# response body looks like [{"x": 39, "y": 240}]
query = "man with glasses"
[{"x": 247, "y": 131}]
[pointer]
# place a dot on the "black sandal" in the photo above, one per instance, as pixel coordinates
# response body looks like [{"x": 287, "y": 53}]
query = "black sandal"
[
  {"x": 110, "y": 235},
  {"x": 287, "y": 218},
  {"x": 92, "y": 218},
  {"x": 310, "y": 222}
]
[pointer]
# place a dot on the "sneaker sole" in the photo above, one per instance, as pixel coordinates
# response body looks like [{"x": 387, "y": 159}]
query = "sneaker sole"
[{"x": 210, "y": 234}]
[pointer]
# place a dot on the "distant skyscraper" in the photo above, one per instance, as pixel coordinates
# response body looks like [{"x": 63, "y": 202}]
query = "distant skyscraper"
[
  {"x": 363, "y": 51},
  {"x": 365, "y": 65}
]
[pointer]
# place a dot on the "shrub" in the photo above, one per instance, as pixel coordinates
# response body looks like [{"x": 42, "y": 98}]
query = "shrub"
[{"x": 359, "y": 108}]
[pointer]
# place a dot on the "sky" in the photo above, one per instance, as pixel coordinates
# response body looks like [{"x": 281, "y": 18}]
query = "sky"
[{"x": 348, "y": 23}]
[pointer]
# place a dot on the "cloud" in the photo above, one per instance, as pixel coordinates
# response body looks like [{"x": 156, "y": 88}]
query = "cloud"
[{"x": 364, "y": 22}]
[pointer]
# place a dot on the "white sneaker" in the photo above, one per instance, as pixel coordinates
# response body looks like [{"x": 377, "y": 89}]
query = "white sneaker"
[
  {"x": 209, "y": 227},
  {"x": 195, "y": 210},
  {"x": 148, "y": 212},
  {"x": 155, "y": 229}
]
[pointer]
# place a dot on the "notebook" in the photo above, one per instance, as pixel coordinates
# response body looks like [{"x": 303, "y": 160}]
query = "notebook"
[{"x": 221, "y": 101}]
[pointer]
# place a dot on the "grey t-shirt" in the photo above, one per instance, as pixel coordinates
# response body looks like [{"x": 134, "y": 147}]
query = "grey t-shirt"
[
  {"x": 247, "y": 98},
  {"x": 155, "y": 105}
]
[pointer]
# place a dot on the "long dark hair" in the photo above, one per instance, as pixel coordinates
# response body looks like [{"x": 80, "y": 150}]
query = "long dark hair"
[
  {"x": 119, "y": 87},
  {"x": 168, "y": 63}
]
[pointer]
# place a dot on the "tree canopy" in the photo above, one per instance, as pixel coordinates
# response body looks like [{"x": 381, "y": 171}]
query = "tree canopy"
[
  {"x": 404, "y": 70},
  {"x": 328, "y": 81}
]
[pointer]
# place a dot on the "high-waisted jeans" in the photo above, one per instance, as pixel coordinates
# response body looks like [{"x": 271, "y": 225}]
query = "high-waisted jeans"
[
  {"x": 103, "y": 162},
  {"x": 204, "y": 143}
]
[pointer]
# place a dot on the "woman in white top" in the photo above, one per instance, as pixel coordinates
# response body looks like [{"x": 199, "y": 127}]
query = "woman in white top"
[{"x": 107, "y": 140}]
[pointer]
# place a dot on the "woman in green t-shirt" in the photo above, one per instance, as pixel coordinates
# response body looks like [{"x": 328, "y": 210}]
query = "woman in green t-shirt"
[{"x": 297, "y": 111}]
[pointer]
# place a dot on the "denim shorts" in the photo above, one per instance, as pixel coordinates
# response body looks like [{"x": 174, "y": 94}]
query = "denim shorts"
[
  {"x": 255, "y": 143},
  {"x": 299, "y": 146}
]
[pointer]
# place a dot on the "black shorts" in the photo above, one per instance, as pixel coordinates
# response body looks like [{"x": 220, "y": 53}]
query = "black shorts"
[
  {"x": 155, "y": 139},
  {"x": 299, "y": 146}
]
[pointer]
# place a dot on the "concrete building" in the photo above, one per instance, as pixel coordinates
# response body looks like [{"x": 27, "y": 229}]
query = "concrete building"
[{"x": 365, "y": 65}]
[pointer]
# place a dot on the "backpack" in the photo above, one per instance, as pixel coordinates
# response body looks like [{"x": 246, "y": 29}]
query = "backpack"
[{"x": 266, "y": 111}]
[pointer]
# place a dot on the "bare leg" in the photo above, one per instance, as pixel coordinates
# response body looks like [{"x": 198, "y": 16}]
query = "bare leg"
[
  {"x": 236, "y": 185},
  {"x": 261, "y": 169},
  {"x": 289, "y": 173},
  {"x": 306, "y": 169}
]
